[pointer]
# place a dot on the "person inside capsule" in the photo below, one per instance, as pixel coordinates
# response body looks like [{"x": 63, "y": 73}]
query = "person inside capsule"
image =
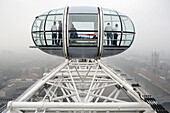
[
  {"x": 109, "y": 34},
  {"x": 60, "y": 43},
  {"x": 54, "y": 33},
  {"x": 115, "y": 35},
  {"x": 73, "y": 33}
]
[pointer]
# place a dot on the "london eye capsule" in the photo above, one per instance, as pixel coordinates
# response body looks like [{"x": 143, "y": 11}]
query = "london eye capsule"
[{"x": 83, "y": 32}]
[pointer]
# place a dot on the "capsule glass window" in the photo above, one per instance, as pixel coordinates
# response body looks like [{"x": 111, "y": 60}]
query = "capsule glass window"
[
  {"x": 54, "y": 29},
  {"x": 38, "y": 31},
  {"x": 83, "y": 29},
  {"x": 112, "y": 29}
]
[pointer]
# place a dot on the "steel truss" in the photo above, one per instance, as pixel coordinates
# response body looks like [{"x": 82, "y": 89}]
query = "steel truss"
[{"x": 76, "y": 86}]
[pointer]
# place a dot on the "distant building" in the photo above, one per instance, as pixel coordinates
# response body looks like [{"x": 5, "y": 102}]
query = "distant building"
[
  {"x": 155, "y": 62},
  {"x": 34, "y": 71},
  {"x": 8, "y": 91},
  {"x": 168, "y": 77},
  {"x": 45, "y": 69},
  {"x": 25, "y": 81},
  {"x": 163, "y": 69}
]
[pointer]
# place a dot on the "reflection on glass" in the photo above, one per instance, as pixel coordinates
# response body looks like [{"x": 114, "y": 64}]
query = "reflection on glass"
[
  {"x": 127, "y": 24},
  {"x": 57, "y": 11},
  {"x": 51, "y": 19},
  {"x": 113, "y": 20},
  {"x": 39, "y": 24},
  {"x": 127, "y": 39},
  {"x": 108, "y": 11},
  {"x": 48, "y": 38},
  {"x": 39, "y": 38},
  {"x": 83, "y": 38},
  {"x": 120, "y": 13},
  {"x": 83, "y": 29},
  {"x": 46, "y": 13}
]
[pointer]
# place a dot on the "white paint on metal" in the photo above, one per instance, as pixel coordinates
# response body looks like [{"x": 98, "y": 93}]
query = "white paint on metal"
[{"x": 80, "y": 86}]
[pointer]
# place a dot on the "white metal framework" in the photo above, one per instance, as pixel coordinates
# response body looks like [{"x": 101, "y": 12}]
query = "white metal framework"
[{"x": 76, "y": 86}]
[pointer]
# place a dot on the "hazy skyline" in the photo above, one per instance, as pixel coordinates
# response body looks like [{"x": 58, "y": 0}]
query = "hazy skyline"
[{"x": 151, "y": 20}]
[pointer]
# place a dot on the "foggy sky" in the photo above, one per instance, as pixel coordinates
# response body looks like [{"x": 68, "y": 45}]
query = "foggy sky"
[{"x": 150, "y": 17}]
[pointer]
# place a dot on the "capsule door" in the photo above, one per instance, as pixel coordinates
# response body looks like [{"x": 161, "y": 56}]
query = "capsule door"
[{"x": 82, "y": 36}]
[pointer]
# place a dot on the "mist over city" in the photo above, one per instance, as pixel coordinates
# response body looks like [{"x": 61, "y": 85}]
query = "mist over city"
[{"x": 147, "y": 61}]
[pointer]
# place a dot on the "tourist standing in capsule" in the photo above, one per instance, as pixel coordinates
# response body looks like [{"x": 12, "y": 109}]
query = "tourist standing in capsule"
[
  {"x": 54, "y": 33},
  {"x": 115, "y": 35},
  {"x": 60, "y": 33},
  {"x": 109, "y": 34}
]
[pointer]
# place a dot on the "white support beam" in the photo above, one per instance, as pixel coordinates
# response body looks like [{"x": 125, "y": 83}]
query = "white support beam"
[
  {"x": 100, "y": 92},
  {"x": 41, "y": 82},
  {"x": 65, "y": 94},
  {"x": 78, "y": 74},
  {"x": 88, "y": 81},
  {"x": 87, "y": 96},
  {"x": 123, "y": 83},
  {"x": 49, "y": 90},
  {"x": 80, "y": 86},
  {"x": 129, "y": 106},
  {"x": 111, "y": 94},
  {"x": 107, "y": 98},
  {"x": 87, "y": 73},
  {"x": 74, "y": 86},
  {"x": 109, "y": 85},
  {"x": 117, "y": 94},
  {"x": 57, "y": 85},
  {"x": 62, "y": 97},
  {"x": 94, "y": 86},
  {"x": 54, "y": 94},
  {"x": 70, "y": 86}
]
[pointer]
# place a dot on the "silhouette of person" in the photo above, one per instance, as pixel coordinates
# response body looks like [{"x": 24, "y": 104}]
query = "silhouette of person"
[
  {"x": 115, "y": 35},
  {"x": 109, "y": 34},
  {"x": 60, "y": 33},
  {"x": 73, "y": 32},
  {"x": 54, "y": 33}
]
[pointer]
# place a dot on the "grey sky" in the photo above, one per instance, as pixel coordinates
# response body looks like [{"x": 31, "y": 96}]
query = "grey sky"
[{"x": 151, "y": 19}]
